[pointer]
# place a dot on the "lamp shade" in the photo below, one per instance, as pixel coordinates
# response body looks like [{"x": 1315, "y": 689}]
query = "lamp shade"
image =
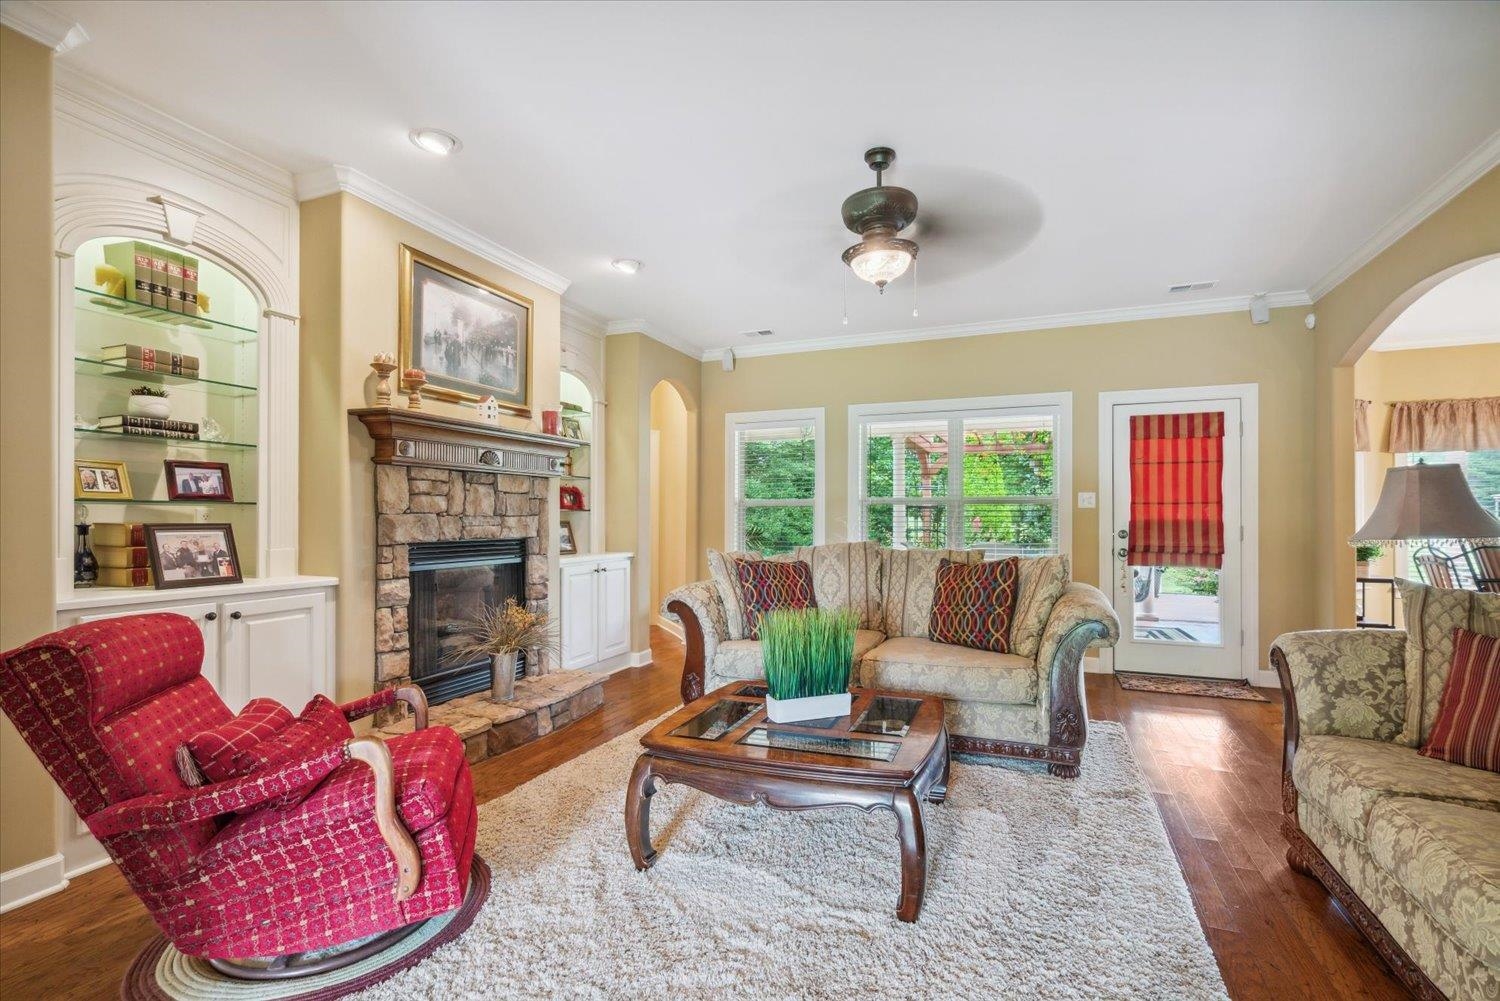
[{"x": 1428, "y": 503}]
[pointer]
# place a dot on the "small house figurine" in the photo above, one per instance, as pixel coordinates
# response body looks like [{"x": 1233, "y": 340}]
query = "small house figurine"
[{"x": 489, "y": 410}]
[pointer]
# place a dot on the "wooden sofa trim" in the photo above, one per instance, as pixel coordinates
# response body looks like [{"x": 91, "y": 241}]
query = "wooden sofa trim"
[
  {"x": 1068, "y": 722},
  {"x": 1305, "y": 857}
]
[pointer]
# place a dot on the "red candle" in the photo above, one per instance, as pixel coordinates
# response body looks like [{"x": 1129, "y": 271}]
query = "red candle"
[{"x": 550, "y": 419}]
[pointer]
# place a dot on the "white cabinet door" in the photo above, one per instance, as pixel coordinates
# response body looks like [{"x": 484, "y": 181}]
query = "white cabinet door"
[
  {"x": 205, "y": 615},
  {"x": 614, "y": 609},
  {"x": 274, "y": 648},
  {"x": 580, "y": 615}
]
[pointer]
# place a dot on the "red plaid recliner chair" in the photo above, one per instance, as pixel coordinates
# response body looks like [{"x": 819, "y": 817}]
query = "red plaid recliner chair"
[{"x": 384, "y": 841}]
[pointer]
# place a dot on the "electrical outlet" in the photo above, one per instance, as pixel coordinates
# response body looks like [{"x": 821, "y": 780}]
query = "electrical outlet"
[{"x": 1088, "y": 499}]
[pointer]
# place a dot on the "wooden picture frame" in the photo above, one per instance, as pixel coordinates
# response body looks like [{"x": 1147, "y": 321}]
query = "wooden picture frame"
[
  {"x": 101, "y": 479},
  {"x": 489, "y": 356},
  {"x": 566, "y": 545},
  {"x": 210, "y": 483},
  {"x": 190, "y": 555}
]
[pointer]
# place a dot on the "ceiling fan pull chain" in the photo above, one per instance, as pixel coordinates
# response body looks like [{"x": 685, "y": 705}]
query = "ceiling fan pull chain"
[
  {"x": 846, "y": 295},
  {"x": 913, "y": 286}
]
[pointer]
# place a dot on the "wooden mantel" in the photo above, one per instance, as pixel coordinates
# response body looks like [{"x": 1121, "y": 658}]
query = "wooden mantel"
[{"x": 406, "y": 437}]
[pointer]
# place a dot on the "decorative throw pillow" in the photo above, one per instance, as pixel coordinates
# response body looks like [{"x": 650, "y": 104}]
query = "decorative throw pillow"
[
  {"x": 769, "y": 584},
  {"x": 727, "y": 582},
  {"x": 973, "y": 603},
  {"x": 1041, "y": 580},
  {"x": 257, "y": 744},
  {"x": 225, "y": 752},
  {"x": 1467, "y": 729},
  {"x": 1432, "y": 613},
  {"x": 908, "y": 578}
]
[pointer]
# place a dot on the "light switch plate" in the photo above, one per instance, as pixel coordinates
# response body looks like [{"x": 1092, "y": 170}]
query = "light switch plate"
[{"x": 1089, "y": 499}]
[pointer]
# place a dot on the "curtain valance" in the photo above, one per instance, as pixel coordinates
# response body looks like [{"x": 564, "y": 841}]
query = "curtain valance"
[
  {"x": 1446, "y": 425},
  {"x": 1177, "y": 490}
]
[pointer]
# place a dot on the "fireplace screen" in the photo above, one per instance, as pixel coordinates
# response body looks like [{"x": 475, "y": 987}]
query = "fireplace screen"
[{"x": 451, "y": 583}]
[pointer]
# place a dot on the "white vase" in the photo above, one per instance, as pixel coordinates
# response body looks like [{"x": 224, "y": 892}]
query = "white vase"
[
  {"x": 815, "y": 707},
  {"x": 503, "y": 678},
  {"x": 149, "y": 406}
]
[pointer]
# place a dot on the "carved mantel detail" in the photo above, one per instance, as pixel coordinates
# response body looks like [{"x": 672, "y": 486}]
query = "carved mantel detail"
[{"x": 416, "y": 438}]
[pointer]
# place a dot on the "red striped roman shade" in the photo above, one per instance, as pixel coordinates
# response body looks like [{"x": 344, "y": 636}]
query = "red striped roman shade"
[{"x": 1177, "y": 490}]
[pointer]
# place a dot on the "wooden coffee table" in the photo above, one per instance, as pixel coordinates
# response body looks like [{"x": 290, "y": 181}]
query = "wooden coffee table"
[{"x": 890, "y": 752}]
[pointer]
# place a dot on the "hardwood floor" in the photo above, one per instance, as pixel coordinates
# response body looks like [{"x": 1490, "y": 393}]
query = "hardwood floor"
[{"x": 1213, "y": 764}]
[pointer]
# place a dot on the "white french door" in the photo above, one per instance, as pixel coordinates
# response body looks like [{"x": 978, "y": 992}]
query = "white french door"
[{"x": 1179, "y": 620}]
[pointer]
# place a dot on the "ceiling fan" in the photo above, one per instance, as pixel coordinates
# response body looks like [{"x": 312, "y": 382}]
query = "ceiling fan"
[{"x": 877, "y": 215}]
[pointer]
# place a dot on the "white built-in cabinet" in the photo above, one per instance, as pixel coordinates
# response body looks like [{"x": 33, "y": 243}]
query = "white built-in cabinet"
[{"x": 595, "y": 611}]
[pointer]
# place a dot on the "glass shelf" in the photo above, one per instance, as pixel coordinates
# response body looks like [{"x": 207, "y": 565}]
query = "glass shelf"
[
  {"x": 569, "y": 408},
  {"x": 93, "y": 301},
  {"x": 158, "y": 502},
  {"x": 116, "y": 370},
  {"x": 198, "y": 443}
]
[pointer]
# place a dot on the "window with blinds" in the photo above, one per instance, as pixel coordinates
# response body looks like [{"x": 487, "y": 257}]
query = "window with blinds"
[
  {"x": 774, "y": 489},
  {"x": 1002, "y": 494}
]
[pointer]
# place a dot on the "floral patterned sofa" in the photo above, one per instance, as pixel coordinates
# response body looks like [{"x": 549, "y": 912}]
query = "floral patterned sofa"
[
  {"x": 1025, "y": 704},
  {"x": 1409, "y": 845}
]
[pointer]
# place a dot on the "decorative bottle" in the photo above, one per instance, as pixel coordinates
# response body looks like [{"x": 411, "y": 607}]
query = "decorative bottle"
[{"x": 85, "y": 566}]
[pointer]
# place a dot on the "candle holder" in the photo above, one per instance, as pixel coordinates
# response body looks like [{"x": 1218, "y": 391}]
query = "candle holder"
[
  {"x": 383, "y": 370},
  {"x": 415, "y": 379}
]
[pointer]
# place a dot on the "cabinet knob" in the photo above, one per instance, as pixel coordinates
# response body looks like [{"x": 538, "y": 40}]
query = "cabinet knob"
[
  {"x": 210, "y": 616},
  {"x": 234, "y": 615}
]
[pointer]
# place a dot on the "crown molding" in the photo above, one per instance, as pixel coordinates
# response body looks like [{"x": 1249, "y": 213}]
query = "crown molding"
[
  {"x": 583, "y": 321},
  {"x": 337, "y": 177},
  {"x": 645, "y": 329},
  {"x": 1470, "y": 169},
  {"x": 1457, "y": 339},
  {"x": 37, "y": 22},
  {"x": 94, "y": 104},
  {"x": 1127, "y": 314}
]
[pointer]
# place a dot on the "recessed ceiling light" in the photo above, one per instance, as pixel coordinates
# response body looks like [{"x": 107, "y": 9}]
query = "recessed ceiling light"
[
  {"x": 435, "y": 141},
  {"x": 626, "y": 265}
]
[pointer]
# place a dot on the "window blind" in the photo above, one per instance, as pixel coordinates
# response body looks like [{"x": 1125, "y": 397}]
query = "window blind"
[{"x": 775, "y": 485}]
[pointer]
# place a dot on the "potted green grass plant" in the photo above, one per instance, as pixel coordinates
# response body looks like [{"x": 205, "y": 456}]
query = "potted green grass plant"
[{"x": 808, "y": 654}]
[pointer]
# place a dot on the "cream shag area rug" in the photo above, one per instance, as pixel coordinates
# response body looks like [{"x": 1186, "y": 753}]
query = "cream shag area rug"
[{"x": 1037, "y": 887}]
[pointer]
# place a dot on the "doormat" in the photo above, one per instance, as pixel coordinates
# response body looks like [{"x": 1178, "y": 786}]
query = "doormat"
[
  {"x": 1169, "y": 685},
  {"x": 1164, "y": 633}
]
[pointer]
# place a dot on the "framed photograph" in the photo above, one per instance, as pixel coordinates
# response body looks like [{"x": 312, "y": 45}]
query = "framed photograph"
[
  {"x": 198, "y": 480},
  {"x": 565, "y": 544},
  {"x": 192, "y": 555},
  {"x": 471, "y": 337},
  {"x": 100, "y": 479},
  {"x": 572, "y": 427}
]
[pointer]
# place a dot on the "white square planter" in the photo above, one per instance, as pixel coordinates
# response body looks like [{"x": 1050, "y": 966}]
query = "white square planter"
[{"x": 816, "y": 707}]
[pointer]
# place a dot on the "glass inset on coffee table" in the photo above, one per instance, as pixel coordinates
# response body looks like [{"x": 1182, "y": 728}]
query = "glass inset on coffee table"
[
  {"x": 813, "y": 743},
  {"x": 717, "y": 720},
  {"x": 887, "y": 714}
]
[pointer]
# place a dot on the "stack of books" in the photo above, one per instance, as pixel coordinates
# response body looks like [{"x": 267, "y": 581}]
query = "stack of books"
[
  {"x": 121, "y": 552},
  {"x": 150, "y": 427},
  {"x": 155, "y": 277},
  {"x": 144, "y": 359}
]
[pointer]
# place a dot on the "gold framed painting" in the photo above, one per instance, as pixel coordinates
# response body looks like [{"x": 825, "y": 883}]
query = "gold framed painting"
[
  {"x": 471, "y": 337},
  {"x": 100, "y": 479}
]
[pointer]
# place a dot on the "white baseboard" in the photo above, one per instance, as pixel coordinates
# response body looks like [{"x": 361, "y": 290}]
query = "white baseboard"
[
  {"x": 32, "y": 881},
  {"x": 640, "y": 658},
  {"x": 675, "y": 628},
  {"x": 1097, "y": 665}
]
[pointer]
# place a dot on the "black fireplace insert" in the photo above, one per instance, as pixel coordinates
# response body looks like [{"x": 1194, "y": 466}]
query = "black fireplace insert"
[{"x": 451, "y": 583}]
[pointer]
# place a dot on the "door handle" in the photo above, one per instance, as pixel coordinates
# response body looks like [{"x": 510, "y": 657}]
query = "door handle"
[
  {"x": 210, "y": 616},
  {"x": 234, "y": 615},
  {"x": 1122, "y": 553}
]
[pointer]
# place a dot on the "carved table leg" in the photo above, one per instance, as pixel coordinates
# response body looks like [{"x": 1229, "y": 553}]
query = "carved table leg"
[
  {"x": 638, "y": 813},
  {"x": 913, "y": 839},
  {"x": 939, "y": 791}
]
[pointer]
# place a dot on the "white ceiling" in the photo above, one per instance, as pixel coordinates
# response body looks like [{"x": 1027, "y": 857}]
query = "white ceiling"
[
  {"x": 1067, "y": 158},
  {"x": 1465, "y": 309}
]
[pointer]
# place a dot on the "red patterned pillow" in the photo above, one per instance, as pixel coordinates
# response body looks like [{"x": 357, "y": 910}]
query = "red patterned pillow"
[
  {"x": 1467, "y": 728},
  {"x": 770, "y": 584},
  {"x": 225, "y": 752},
  {"x": 253, "y": 742},
  {"x": 974, "y": 603}
]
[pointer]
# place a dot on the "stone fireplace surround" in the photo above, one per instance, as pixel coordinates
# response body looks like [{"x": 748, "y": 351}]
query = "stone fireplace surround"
[{"x": 442, "y": 479}]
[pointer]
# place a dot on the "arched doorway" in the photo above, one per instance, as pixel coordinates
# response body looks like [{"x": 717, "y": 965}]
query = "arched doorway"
[
  {"x": 670, "y": 490},
  {"x": 1439, "y": 340}
]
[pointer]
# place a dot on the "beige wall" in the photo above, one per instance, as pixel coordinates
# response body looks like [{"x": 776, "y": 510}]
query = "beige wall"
[
  {"x": 350, "y": 283},
  {"x": 27, "y": 459},
  {"x": 671, "y": 562},
  {"x": 1350, "y": 317},
  {"x": 633, "y": 365},
  {"x": 1149, "y": 354}
]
